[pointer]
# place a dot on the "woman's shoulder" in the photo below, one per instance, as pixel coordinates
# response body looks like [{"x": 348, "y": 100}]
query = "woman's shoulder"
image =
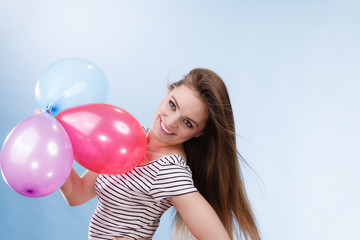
[
  {"x": 166, "y": 160},
  {"x": 173, "y": 164},
  {"x": 176, "y": 159}
]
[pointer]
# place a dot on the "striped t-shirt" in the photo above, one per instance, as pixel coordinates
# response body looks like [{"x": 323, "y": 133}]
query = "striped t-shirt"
[{"x": 131, "y": 204}]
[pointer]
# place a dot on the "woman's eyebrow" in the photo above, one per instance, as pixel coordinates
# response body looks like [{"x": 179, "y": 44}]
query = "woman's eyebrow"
[
  {"x": 193, "y": 121},
  {"x": 178, "y": 107},
  {"x": 176, "y": 103}
]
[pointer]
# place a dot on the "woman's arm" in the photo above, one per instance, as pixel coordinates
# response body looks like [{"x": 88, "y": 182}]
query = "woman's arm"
[
  {"x": 199, "y": 216},
  {"x": 77, "y": 190}
]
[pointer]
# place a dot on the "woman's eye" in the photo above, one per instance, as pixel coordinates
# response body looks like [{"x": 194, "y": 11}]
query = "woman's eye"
[
  {"x": 188, "y": 123},
  {"x": 172, "y": 105}
]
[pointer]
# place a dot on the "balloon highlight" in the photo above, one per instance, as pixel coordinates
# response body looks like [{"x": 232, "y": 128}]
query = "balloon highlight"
[
  {"x": 106, "y": 139},
  {"x": 37, "y": 156},
  {"x": 70, "y": 82}
]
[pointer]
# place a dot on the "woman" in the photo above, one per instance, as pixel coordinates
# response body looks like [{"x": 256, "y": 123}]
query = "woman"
[{"x": 193, "y": 128}]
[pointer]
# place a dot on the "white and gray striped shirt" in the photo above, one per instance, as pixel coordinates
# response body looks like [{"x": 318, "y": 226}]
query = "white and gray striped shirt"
[{"x": 131, "y": 204}]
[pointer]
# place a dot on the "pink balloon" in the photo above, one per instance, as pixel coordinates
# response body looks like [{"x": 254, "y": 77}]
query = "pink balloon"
[
  {"x": 106, "y": 139},
  {"x": 37, "y": 156}
]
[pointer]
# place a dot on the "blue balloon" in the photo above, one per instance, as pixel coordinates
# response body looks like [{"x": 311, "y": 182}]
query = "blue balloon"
[{"x": 70, "y": 82}]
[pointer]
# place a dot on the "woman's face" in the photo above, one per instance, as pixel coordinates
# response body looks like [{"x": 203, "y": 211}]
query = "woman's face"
[{"x": 181, "y": 115}]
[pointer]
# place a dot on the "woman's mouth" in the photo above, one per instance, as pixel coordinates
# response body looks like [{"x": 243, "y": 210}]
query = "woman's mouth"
[{"x": 164, "y": 129}]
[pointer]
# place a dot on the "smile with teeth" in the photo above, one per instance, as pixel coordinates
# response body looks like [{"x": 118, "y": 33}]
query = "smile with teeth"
[{"x": 164, "y": 129}]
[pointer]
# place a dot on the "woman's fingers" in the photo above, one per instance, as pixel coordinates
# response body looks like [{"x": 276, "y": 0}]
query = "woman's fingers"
[{"x": 36, "y": 111}]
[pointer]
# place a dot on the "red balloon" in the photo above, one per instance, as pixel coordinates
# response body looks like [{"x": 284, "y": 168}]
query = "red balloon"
[{"x": 106, "y": 139}]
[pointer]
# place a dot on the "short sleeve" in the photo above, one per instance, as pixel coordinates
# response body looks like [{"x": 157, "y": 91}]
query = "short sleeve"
[{"x": 172, "y": 180}]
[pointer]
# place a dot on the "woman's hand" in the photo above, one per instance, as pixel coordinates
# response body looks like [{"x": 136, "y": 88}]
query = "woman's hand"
[{"x": 37, "y": 111}]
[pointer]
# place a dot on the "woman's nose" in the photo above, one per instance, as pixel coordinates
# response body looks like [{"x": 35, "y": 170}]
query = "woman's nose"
[{"x": 172, "y": 120}]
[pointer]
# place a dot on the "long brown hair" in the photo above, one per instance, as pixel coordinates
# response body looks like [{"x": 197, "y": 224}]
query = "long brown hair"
[{"x": 213, "y": 157}]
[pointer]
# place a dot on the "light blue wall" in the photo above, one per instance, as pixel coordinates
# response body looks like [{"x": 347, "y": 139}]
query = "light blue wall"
[{"x": 292, "y": 69}]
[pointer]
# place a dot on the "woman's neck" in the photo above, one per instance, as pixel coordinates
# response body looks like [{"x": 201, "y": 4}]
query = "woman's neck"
[{"x": 154, "y": 146}]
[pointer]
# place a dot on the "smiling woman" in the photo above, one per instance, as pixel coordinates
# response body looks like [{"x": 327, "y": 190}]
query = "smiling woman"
[
  {"x": 213, "y": 158},
  {"x": 191, "y": 163},
  {"x": 181, "y": 115}
]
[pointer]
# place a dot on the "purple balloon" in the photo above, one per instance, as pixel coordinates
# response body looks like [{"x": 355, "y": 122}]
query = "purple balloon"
[{"x": 37, "y": 156}]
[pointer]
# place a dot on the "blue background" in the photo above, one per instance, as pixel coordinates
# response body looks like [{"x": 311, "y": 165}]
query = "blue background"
[{"x": 292, "y": 69}]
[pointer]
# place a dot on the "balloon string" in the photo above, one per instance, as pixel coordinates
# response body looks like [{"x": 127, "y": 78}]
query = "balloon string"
[
  {"x": 48, "y": 108},
  {"x": 78, "y": 87}
]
